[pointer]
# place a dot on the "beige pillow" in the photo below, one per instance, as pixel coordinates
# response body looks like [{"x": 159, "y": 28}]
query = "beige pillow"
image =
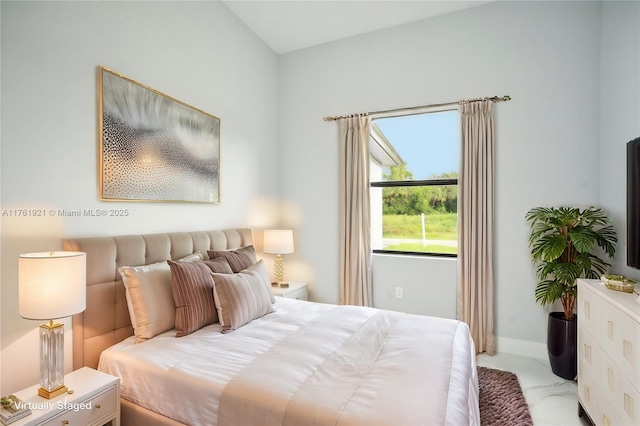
[
  {"x": 150, "y": 297},
  {"x": 239, "y": 259},
  {"x": 242, "y": 297},
  {"x": 192, "y": 286},
  {"x": 259, "y": 270}
]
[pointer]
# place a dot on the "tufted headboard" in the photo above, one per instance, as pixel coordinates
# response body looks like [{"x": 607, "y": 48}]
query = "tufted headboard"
[{"x": 106, "y": 320}]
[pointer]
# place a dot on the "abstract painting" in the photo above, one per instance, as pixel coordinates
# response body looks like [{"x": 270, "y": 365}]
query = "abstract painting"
[{"x": 154, "y": 147}]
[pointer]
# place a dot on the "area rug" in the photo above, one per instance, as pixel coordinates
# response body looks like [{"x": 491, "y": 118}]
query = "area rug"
[{"x": 501, "y": 400}]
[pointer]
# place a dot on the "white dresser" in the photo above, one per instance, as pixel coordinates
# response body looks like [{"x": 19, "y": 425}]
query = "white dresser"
[{"x": 608, "y": 354}]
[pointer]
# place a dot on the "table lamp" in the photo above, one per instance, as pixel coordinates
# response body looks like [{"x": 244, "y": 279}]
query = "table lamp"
[
  {"x": 52, "y": 285},
  {"x": 278, "y": 242}
]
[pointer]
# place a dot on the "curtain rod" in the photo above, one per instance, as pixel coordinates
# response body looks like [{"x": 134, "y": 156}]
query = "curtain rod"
[{"x": 464, "y": 101}]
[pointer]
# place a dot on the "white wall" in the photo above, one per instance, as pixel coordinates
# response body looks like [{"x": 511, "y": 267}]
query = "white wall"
[
  {"x": 197, "y": 52},
  {"x": 425, "y": 282},
  {"x": 620, "y": 112},
  {"x": 544, "y": 54}
]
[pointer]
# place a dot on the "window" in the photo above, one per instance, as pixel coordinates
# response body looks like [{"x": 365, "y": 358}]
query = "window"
[{"x": 414, "y": 183}]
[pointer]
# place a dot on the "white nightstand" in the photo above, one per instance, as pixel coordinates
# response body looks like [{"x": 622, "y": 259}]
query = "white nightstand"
[
  {"x": 95, "y": 401},
  {"x": 295, "y": 290}
]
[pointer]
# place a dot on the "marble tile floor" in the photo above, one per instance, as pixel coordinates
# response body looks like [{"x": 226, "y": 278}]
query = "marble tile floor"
[{"x": 552, "y": 400}]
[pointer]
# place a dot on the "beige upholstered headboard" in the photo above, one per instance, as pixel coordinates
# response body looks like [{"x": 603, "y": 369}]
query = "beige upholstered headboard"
[{"x": 106, "y": 320}]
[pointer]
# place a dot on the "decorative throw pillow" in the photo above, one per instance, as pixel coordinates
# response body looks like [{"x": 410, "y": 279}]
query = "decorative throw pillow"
[
  {"x": 219, "y": 265},
  {"x": 242, "y": 297},
  {"x": 195, "y": 257},
  {"x": 238, "y": 259},
  {"x": 150, "y": 297},
  {"x": 192, "y": 286},
  {"x": 259, "y": 270}
]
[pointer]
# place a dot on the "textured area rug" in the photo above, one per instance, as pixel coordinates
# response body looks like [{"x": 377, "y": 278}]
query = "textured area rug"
[{"x": 501, "y": 400}]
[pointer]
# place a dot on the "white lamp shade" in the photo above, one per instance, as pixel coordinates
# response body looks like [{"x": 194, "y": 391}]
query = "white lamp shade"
[
  {"x": 52, "y": 284},
  {"x": 278, "y": 241}
]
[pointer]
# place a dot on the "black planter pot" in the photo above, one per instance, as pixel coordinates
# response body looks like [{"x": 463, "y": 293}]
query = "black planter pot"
[{"x": 562, "y": 345}]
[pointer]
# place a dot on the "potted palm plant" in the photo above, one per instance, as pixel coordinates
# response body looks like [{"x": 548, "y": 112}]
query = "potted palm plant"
[{"x": 566, "y": 243}]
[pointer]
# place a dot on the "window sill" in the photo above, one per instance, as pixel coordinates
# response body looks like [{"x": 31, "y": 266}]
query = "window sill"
[{"x": 416, "y": 254}]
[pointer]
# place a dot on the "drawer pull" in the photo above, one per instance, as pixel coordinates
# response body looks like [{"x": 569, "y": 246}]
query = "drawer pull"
[
  {"x": 628, "y": 406},
  {"x": 587, "y": 310},
  {"x": 65, "y": 422},
  {"x": 610, "y": 330},
  {"x": 587, "y": 353},
  {"x": 98, "y": 406},
  {"x": 627, "y": 351},
  {"x": 605, "y": 420},
  {"x": 610, "y": 371},
  {"x": 587, "y": 393}
]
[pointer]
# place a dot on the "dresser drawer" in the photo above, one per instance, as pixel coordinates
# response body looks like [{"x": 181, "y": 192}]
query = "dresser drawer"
[
  {"x": 627, "y": 403},
  {"x": 607, "y": 416},
  {"x": 619, "y": 393},
  {"x": 589, "y": 354},
  {"x": 588, "y": 311},
  {"x": 92, "y": 411},
  {"x": 588, "y": 394},
  {"x": 620, "y": 340},
  {"x": 300, "y": 294},
  {"x": 295, "y": 290},
  {"x": 609, "y": 379},
  {"x": 598, "y": 408}
]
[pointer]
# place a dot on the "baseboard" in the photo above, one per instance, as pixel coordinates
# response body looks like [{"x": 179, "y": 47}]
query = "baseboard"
[{"x": 522, "y": 347}]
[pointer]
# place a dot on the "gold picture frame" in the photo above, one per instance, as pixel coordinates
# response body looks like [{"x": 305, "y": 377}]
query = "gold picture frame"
[{"x": 154, "y": 147}]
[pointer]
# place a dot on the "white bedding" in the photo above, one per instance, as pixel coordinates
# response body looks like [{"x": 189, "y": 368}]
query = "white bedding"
[{"x": 306, "y": 363}]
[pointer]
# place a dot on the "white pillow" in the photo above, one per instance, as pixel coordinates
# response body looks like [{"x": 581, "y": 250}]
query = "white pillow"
[
  {"x": 195, "y": 257},
  {"x": 150, "y": 297}
]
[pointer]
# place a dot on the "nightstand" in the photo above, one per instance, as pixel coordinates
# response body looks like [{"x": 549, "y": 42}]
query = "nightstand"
[
  {"x": 95, "y": 401},
  {"x": 295, "y": 290}
]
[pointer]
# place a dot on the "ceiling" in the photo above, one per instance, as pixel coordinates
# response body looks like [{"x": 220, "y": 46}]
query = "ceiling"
[{"x": 286, "y": 26}]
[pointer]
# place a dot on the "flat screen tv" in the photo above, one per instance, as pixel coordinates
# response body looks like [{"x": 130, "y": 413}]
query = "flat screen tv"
[{"x": 633, "y": 203}]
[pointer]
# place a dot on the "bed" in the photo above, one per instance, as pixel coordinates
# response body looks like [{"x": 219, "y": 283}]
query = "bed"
[{"x": 300, "y": 363}]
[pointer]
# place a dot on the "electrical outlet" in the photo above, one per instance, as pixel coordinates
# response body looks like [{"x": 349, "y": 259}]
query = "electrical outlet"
[{"x": 399, "y": 293}]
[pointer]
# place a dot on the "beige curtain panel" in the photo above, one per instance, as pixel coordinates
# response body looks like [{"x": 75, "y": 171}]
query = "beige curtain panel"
[
  {"x": 356, "y": 286},
  {"x": 475, "y": 223}
]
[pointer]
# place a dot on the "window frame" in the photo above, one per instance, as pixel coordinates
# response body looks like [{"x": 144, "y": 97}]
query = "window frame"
[{"x": 415, "y": 183}]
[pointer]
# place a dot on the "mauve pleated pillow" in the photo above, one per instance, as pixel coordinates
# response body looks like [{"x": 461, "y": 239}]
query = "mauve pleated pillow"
[
  {"x": 192, "y": 286},
  {"x": 219, "y": 265},
  {"x": 238, "y": 259}
]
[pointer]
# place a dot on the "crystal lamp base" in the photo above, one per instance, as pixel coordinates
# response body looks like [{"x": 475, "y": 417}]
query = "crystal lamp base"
[{"x": 51, "y": 360}]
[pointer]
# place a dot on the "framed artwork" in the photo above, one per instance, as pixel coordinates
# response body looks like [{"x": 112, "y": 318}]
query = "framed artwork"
[{"x": 154, "y": 147}]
